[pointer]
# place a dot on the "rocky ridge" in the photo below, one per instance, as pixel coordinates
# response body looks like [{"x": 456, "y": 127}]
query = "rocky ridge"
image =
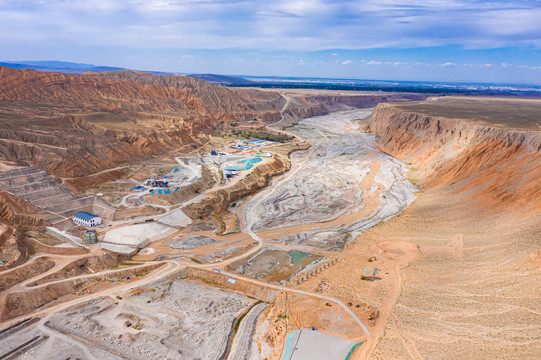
[{"x": 498, "y": 168}]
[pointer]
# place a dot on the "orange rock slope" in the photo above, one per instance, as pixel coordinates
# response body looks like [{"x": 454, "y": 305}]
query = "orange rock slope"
[{"x": 498, "y": 168}]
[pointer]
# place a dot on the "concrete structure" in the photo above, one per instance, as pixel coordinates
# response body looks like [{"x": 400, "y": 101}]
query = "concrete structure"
[
  {"x": 176, "y": 218},
  {"x": 39, "y": 189},
  {"x": 129, "y": 239},
  {"x": 91, "y": 237},
  {"x": 119, "y": 249},
  {"x": 311, "y": 344},
  {"x": 86, "y": 219},
  {"x": 64, "y": 236}
]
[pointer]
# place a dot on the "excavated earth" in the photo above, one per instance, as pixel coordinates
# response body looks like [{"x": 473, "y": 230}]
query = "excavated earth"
[
  {"x": 319, "y": 201},
  {"x": 166, "y": 319}
]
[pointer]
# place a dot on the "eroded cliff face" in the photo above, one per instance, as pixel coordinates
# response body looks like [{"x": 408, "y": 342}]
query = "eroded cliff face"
[
  {"x": 74, "y": 125},
  {"x": 497, "y": 169},
  {"x": 254, "y": 182}
]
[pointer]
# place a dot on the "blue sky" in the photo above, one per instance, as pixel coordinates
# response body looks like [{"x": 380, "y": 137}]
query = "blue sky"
[{"x": 440, "y": 40}]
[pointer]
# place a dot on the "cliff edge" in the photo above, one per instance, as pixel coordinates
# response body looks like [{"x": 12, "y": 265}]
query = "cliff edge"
[{"x": 496, "y": 167}]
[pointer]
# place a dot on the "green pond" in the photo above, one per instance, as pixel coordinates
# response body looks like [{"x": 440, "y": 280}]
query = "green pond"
[{"x": 297, "y": 256}]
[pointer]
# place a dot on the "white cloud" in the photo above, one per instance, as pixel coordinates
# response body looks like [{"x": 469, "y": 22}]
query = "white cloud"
[
  {"x": 374, "y": 62},
  {"x": 347, "y": 62},
  {"x": 301, "y": 25}
]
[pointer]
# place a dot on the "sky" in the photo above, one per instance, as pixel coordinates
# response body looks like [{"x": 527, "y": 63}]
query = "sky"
[{"x": 430, "y": 40}]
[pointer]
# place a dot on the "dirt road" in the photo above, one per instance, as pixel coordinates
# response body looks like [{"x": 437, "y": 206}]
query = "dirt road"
[{"x": 302, "y": 292}]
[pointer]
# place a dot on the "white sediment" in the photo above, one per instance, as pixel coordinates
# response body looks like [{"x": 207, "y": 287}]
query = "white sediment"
[{"x": 323, "y": 183}]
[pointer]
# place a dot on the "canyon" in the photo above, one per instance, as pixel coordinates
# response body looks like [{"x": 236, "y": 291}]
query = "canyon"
[{"x": 441, "y": 195}]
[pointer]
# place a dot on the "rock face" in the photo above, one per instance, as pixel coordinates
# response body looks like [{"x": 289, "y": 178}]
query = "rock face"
[
  {"x": 257, "y": 180},
  {"x": 498, "y": 168}
]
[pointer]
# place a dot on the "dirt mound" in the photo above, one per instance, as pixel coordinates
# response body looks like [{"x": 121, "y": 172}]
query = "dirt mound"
[
  {"x": 36, "y": 267},
  {"x": 15, "y": 248},
  {"x": 257, "y": 180},
  {"x": 88, "y": 265},
  {"x": 401, "y": 251},
  {"x": 79, "y": 184}
]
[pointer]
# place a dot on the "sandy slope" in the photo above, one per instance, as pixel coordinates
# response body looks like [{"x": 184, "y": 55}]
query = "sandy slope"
[{"x": 473, "y": 293}]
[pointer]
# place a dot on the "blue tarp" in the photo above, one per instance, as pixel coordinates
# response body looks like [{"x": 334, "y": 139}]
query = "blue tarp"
[{"x": 249, "y": 164}]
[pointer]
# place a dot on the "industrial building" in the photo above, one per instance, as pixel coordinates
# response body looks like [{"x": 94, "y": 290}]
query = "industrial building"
[
  {"x": 229, "y": 173},
  {"x": 91, "y": 237},
  {"x": 86, "y": 219}
]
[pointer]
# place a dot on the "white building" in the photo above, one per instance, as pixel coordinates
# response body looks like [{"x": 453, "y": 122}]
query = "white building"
[{"x": 86, "y": 219}]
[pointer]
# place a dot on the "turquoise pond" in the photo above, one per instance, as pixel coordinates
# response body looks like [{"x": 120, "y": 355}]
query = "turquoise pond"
[{"x": 297, "y": 256}]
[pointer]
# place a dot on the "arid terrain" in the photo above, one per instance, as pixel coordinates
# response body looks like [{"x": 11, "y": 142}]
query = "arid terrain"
[{"x": 387, "y": 226}]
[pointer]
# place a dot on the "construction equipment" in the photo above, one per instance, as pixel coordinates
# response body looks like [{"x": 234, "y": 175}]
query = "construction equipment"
[
  {"x": 137, "y": 327},
  {"x": 373, "y": 258},
  {"x": 119, "y": 297},
  {"x": 373, "y": 315},
  {"x": 327, "y": 304}
]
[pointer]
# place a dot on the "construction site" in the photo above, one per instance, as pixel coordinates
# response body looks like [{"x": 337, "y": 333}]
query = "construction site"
[{"x": 242, "y": 249}]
